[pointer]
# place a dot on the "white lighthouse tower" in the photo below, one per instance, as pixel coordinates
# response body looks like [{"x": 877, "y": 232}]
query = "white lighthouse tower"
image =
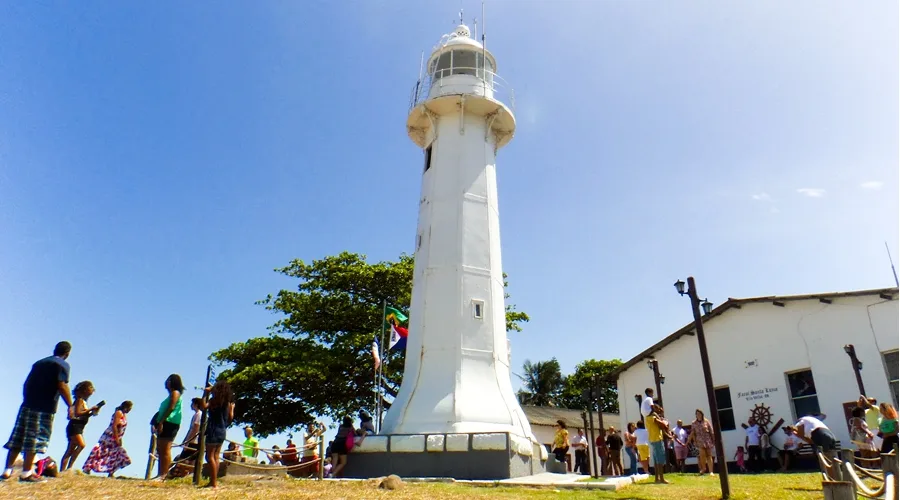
[{"x": 456, "y": 400}]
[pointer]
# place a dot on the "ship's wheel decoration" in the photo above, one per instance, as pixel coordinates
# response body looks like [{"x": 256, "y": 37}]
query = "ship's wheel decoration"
[{"x": 762, "y": 414}]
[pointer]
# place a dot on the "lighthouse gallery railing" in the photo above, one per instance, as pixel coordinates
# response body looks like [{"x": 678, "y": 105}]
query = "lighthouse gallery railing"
[{"x": 492, "y": 84}]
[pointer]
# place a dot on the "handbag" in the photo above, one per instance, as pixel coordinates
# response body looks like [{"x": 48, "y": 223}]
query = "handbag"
[{"x": 349, "y": 442}]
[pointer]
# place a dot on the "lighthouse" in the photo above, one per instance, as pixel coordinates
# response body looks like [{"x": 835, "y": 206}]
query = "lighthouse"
[{"x": 456, "y": 413}]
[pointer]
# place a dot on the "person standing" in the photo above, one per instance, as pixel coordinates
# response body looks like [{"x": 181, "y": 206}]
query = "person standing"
[
  {"x": 631, "y": 448},
  {"x": 580, "y": 445},
  {"x": 656, "y": 430},
  {"x": 47, "y": 381},
  {"x": 191, "y": 442},
  {"x": 887, "y": 427},
  {"x": 339, "y": 448},
  {"x": 642, "y": 438},
  {"x": 680, "y": 437},
  {"x": 614, "y": 444},
  {"x": 168, "y": 421},
  {"x": 751, "y": 444},
  {"x": 702, "y": 437},
  {"x": 109, "y": 455},
  {"x": 220, "y": 413},
  {"x": 311, "y": 448},
  {"x": 561, "y": 441}
]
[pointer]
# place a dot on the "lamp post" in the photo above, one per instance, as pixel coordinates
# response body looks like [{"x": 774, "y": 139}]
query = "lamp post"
[
  {"x": 857, "y": 367},
  {"x": 657, "y": 379},
  {"x": 696, "y": 304}
]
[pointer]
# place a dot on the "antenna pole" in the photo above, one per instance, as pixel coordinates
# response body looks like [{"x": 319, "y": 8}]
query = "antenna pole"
[
  {"x": 896, "y": 282},
  {"x": 483, "y": 26}
]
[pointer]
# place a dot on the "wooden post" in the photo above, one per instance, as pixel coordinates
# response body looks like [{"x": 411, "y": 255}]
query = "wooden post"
[
  {"x": 589, "y": 435},
  {"x": 838, "y": 490},
  {"x": 201, "y": 439},
  {"x": 151, "y": 458},
  {"x": 321, "y": 457},
  {"x": 889, "y": 467}
]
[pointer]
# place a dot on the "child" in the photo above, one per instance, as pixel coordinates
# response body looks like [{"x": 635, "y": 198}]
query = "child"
[
  {"x": 75, "y": 429},
  {"x": 740, "y": 458}
]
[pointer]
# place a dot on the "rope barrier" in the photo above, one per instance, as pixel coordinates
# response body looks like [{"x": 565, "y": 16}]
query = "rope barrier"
[
  {"x": 861, "y": 486},
  {"x": 278, "y": 450},
  {"x": 870, "y": 473},
  {"x": 271, "y": 467}
]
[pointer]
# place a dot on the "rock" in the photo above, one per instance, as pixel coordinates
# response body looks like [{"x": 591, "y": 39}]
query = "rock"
[{"x": 392, "y": 482}]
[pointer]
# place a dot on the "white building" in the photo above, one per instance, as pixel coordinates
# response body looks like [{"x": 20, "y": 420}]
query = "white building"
[
  {"x": 783, "y": 354},
  {"x": 543, "y": 424}
]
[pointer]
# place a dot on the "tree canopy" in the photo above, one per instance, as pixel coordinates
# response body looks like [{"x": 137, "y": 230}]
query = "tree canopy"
[
  {"x": 576, "y": 383},
  {"x": 544, "y": 383},
  {"x": 316, "y": 360}
]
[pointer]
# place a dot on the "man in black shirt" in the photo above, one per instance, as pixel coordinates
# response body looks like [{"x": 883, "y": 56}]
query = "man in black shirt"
[
  {"x": 614, "y": 443},
  {"x": 47, "y": 381}
]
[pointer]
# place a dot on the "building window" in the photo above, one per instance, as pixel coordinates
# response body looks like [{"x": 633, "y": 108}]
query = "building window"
[
  {"x": 478, "y": 309},
  {"x": 804, "y": 398},
  {"x": 890, "y": 364},
  {"x": 726, "y": 410},
  {"x": 427, "y": 158}
]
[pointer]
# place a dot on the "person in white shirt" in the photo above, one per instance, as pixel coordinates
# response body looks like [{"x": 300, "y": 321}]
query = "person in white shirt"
[
  {"x": 789, "y": 449},
  {"x": 642, "y": 438},
  {"x": 580, "y": 444},
  {"x": 647, "y": 404},
  {"x": 191, "y": 442},
  {"x": 813, "y": 431},
  {"x": 751, "y": 444},
  {"x": 681, "y": 449}
]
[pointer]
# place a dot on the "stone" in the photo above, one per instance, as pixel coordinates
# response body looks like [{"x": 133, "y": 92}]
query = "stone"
[
  {"x": 492, "y": 441},
  {"x": 408, "y": 444},
  {"x": 392, "y": 482},
  {"x": 435, "y": 442},
  {"x": 457, "y": 442}
]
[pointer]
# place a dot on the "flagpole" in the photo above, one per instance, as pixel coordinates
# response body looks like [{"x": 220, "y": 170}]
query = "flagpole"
[{"x": 378, "y": 403}]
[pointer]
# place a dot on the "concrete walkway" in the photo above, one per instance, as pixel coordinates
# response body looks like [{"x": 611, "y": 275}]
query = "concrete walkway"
[{"x": 564, "y": 481}]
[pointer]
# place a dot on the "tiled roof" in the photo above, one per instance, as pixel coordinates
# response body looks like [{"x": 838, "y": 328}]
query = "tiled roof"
[{"x": 548, "y": 415}]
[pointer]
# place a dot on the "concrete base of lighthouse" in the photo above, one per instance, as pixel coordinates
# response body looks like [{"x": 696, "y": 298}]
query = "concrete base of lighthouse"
[{"x": 487, "y": 456}]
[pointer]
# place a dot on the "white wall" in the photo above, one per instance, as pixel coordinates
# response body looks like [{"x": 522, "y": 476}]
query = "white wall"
[{"x": 802, "y": 335}]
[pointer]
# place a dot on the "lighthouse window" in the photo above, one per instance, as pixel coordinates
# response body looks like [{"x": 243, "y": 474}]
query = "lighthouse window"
[
  {"x": 478, "y": 309},
  {"x": 464, "y": 62},
  {"x": 444, "y": 62},
  {"x": 427, "y": 158}
]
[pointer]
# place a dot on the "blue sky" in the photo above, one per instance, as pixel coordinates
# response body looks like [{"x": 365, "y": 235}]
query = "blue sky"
[{"x": 158, "y": 161}]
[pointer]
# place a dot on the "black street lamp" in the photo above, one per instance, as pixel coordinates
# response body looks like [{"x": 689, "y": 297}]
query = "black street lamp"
[
  {"x": 857, "y": 367},
  {"x": 658, "y": 379},
  {"x": 696, "y": 304}
]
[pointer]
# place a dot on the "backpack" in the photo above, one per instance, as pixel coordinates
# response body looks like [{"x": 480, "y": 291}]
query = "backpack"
[{"x": 349, "y": 441}]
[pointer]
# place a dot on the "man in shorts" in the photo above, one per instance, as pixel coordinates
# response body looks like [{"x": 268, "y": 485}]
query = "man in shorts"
[
  {"x": 47, "y": 381},
  {"x": 658, "y": 429}
]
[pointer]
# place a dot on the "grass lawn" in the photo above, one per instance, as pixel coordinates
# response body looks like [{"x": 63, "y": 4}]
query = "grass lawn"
[{"x": 743, "y": 487}]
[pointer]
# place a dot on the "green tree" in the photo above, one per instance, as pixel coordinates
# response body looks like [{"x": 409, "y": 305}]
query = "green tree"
[
  {"x": 578, "y": 382},
  {"x": 317, "y": 358},
  {"x": 544, "y": 383}
]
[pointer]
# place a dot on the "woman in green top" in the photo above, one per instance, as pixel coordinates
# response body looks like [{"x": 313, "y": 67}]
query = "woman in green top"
[
  {"x": 168, "y": 420},
  {"x": 888, "y": 427}
]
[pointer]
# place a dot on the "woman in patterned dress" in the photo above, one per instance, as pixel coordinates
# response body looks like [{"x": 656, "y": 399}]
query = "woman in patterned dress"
[
  {"x": 702, "y": 437},
  {"x": 109, "y": 455}
]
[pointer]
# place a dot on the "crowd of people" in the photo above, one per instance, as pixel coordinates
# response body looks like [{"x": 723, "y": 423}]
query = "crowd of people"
[{"x": 653, "y": 440}]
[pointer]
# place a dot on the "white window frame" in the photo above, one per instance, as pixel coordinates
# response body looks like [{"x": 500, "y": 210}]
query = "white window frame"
[
  {"x": 791, "y": 397},
  {"x": 477, "y": 308},
  {"x": 893, "y": 384}
]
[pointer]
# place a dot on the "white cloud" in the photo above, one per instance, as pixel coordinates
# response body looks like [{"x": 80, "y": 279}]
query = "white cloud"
[
  {"x": 762, "y": 197},
  {"x": 774, "y": 210},
  {"x": 812, "y": 192},
  {"x": 871, "y": 185}
]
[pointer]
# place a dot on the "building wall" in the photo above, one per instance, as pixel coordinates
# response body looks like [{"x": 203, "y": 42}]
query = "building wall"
[{"x": 751, "y": 349}]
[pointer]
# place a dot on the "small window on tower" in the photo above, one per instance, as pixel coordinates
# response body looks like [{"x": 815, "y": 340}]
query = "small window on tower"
[
  {"x": 427, "y": 158},
  {"x": 478, "y": 309}
]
